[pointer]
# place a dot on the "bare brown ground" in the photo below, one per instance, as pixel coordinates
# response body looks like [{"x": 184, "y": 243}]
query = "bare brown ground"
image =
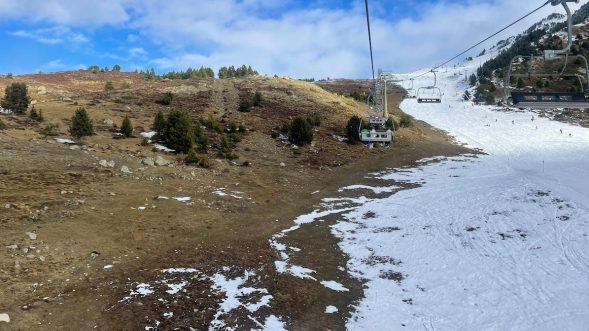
[{"x": 77, "y": 207}]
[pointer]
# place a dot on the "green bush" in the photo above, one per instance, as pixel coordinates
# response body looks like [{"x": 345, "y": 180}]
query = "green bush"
[
  {"x": 257, "y": 99},
  {"x": 126, "y": 127},
  {"x": 159, "y": 125},
  {"x": 36, "y": 115},
  {"x": 314, "y": 120},
  {"x": 125, "y": 85},
  {"x": 391, "y": 124},
  {"x": 192, "y": 157},
  {"x": 81, "y": 124},
  {"x": 234, "y": 138},
  {"x": 353, "y": 127},
  {"x": 224, "y": 144},
  {"x": 109, "y": 86},
  {"x": 167, "y": 99},
  {"x": 179, "y": 132},
  {"x": 301, "y": 132},
  {"x": 116, "y": 68},
  {"x": 406, "y": 121},
  {"x": 231, "y": 156},
  {"x": 245, "y": 106},
  {"x": 212, "y": 124},
  {"x": 50, "y": 130},
  {"x": 201, "y": 138},
  {"x": 16, "y": 98}
]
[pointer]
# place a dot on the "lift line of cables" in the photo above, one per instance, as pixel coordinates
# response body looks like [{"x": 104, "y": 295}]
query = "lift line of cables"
[
  {"x": 479, "y": 43},
  {"x": 369, "y": 38}
]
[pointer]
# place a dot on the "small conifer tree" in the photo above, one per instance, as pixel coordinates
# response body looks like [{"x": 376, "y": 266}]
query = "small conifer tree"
[
  {"x": 126, "y": 127},
  {"x": 16, "y": 98},
  {"x": 159, "y": 125},
  {"x": 81, "y": 124},
  {"x": 301, "y": 132},
  {"x": 179, "y": 132}
]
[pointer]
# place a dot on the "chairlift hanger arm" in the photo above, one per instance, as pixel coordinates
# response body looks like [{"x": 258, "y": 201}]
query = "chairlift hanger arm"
[{"x": 553, "y": 54}]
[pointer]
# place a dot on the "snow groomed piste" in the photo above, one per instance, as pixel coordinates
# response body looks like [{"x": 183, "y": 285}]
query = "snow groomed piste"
[{"x": 493, "y": 241}]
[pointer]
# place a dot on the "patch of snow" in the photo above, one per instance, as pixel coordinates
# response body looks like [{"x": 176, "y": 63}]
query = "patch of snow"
[
  {"x": 163, "y": 148},
  {"x": 148, "y": 135},
  {"x": 183, "y": 199},
  {"x": 108, "y": 266},
  {"x": 236, "y": 295},
  {"x": 235, "y": 194},
  {"x": 335, "y": 286},
  {"x": 331, "y": 310},
  {"x": 142, "y": 290},
  {"x": 376, "y": 190},
  {"x": 273, "y": 323},
  {"x": 65, "y": 141},
  {"x": 180, "y": 271},
  {"x": 175, "y": 288}
]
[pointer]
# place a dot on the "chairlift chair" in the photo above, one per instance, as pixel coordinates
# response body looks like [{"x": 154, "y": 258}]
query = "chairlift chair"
[
  {"x": 434, "y": 95},
  {"x": 411, "y": 91},
  {"x": 548, "y": 99}
]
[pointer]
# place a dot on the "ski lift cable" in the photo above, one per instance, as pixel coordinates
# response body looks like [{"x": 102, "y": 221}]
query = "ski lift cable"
[
  {"x": 369, "y": 38},
  {"x": 486, "y": 39}
]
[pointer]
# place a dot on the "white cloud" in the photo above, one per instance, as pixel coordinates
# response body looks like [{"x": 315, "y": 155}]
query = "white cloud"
[
  {"x": 53, "y": 36},
  {"x": 67, "y": 12},
  {"x": 321, "y": 42},
  {"x": 310, "y": 42}
]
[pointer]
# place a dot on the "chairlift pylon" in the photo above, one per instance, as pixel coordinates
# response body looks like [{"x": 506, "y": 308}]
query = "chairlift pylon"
[{"x": 548, "y": 99}]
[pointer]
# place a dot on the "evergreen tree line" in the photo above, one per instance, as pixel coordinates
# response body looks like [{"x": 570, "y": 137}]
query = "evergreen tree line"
[
  {"x": 191, "y": 73},
  {"x": 232, "y": 72}
]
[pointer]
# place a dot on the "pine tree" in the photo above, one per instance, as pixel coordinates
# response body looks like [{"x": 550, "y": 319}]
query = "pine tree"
[
  {"x": 245, "y": 106},
  {"x": 36, "y": 116},
  {"x": 126, "y": 127},
  {"x": 167, "y": 99},
  {"x": 179, "y": 132},
  {"x": 116, "y": 68},
  {"x": 159, "y": 125},
  {"x": 81, "y": 124},
  {"x": 301, "y": 132},
  {"x": 257, "y": 99},
  {"x": 16, "y": 98},
  {"x": 353, "y": 128},
  {"x": 472, "y": 80}
]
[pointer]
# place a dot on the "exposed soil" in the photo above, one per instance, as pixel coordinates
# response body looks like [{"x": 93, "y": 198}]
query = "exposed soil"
[{"x": 87, "y": 216}]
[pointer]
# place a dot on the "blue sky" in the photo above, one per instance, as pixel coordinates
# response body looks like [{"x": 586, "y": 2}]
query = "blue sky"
[{"x": 310, "y": 38}]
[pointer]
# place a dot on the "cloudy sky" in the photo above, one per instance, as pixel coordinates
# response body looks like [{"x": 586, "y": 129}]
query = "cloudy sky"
[{"x": 303, "y": 39}]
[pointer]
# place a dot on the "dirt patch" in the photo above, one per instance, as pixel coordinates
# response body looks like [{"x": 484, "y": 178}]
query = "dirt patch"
[{"x": 100, "y": 231}]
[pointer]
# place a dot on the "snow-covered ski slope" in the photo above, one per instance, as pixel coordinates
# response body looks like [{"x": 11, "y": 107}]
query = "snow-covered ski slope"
[{"x": 488, "y": 242}]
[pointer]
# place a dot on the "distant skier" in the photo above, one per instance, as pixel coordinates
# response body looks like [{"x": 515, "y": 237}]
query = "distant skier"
[
  {"x": 532, "y": 118},
  {"x": 513, "y": 122},
  {"x": 561, "y": 131}
]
